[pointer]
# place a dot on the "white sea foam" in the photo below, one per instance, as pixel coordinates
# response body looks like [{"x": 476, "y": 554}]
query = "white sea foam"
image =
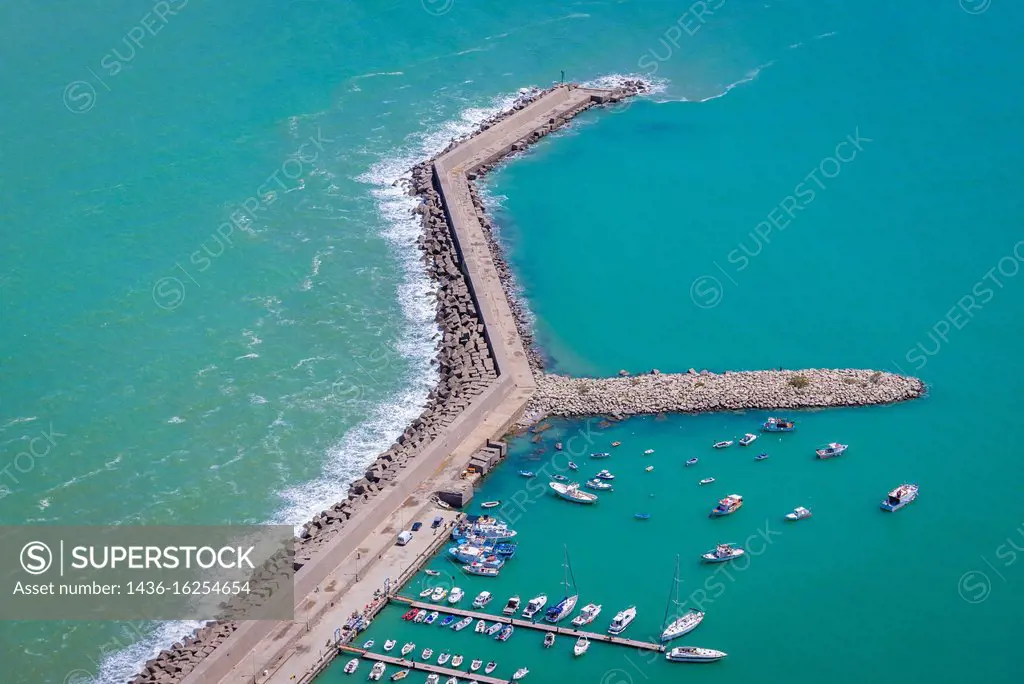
[{"x": 749, "y": 77}]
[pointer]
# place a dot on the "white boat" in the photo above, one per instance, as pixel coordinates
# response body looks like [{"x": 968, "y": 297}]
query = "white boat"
[
  {"x": 494, "y": 629},
  {"x": 481, "y": 627},
  {"x": 601, "y": 454},
  {"x": 451, "y": 680},
  {"x": 649, "y": 469},
  {"x": 351, "y": 666},
  {"x": 490, "y": 504},
  {"x": 581, "y": 646},
  {"x": 707, "y": 480},
  {"x": 400, "y": 675},
  {"x": 520, "y": 673},
  {"x": 900, "y": 497},
  {"x": 572, "y": 492},
  {"x": 482, "y": 599},
  {"x": 832, "y": 450},
  {"x": 444, "y": 658},
  {"x": 506, "y": 633},
  {"x": 438, "y": 594},
  {"x": 587, "y": 615},
  {"x": 512, "y": 607},
  {"x": 649, "y": 452},
  {"x": 573, "y": 466},
  {"x": 457, "y": 661},
  {"x": 462, "y": 624},
  {"x": 456, "y": 595},
  {"x": 367, "y": 645},
  {"x": 564, "y": 608},
  {"x": 722, "y": 445},
  {"x": 778, "y": 425},
  {"x": 426, "y": 592},
  {"x": 722, "y": 553},
  {"x": 475, "y": 665},
  {"x": 420, "y": 616},
  {"x": 432, "y": 573},
  {"x": 377, "y": 672},
  {"x": 389, "y": 644},
  {"x": 748, "y": 439},
  {"x": 598, "y": 485},
  {"x": 799, "y": 513},
  {"x": 684, "y": 623},
  {"x": 549, "y": 640},
  {"x": 621, "y": 620},
  {"x": 693, "y": 654},
  {"x": 489, "y": 668},
  {"x": 535, "y": 605},
  {"x": 604, "y": 475},
  {"x": 433, "y": 678},
  {"x": 480, "y": 569},
  {"x": 727, "y": 506},
  {"x": 431, "y": 618},
  {"x": 427, "y": 654},
  {"x": 408, "y": 648},
  {"x": 692, "y": 461}
]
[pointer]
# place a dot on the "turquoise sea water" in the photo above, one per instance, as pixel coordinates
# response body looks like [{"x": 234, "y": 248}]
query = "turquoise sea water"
[{"x": 194, "y": 376}]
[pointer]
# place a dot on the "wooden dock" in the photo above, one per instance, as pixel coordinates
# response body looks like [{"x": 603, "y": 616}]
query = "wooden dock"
[
  {"x": 421, "y": 666},
  {"x": 539, "y": 626}
]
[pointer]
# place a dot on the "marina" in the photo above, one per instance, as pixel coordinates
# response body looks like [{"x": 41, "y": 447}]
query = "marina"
[{"x": 420, "y": 666}]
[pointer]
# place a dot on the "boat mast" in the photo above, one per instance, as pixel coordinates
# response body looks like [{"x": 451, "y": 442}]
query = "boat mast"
[
  {"x": 568, "y": 566},
  {"x": 674, "y": 589}
]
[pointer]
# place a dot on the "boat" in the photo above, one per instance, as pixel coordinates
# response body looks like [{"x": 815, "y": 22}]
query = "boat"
[
  {"x": 368, "y": 645},
  {"x": 426, "y": 654},
  {"x": 560, "y": 478},
  {"x": 535, "y": 605},
  {"x": 377, "y": 672},
  {"x": 621, "y": 620},
  {"x": 505, "y": 550},
  {"x": 409, "y": 614},
  {"x": 475, "y": 665},
  {"x": 462, "y": 624},
  {"x": 642, "y": 516},
  {"x": 431, "y": 618},
  {"x": 490, "y": 504},
  {"x": 482, "y": 599},
  {"x": 444, "y": 658},
  {"x": 602, "y": 454},
  {"x": 427, "y": 592},
  {"x": 485, "y": 527},
  {"x": 549, "y": 640},
  {"x": 520, "y": 673},
  {"x": 456, "y": 595},
  {"x": 799, "y": 513},
  {"x": 558, "y": 446},
  {"x": 351, "y": 666},
  {"x": 494, "y": 629},
  {"x": 832, "y": 450},
  {"x": 511, "y": 606},
  {"x": 448, "y": 619},
  {"x": 604, "y": 475},
  {"x": 438, "y": 594},
  {"x": 649, "y": 452},
  {"x": 727, "y": 506},
  {"x": 722, "y": 445},
  {"x": 433, "y": 678},
  {"x": 467, "y": 553},
  {"x": 582, "y": 644},
  {"x": 587, "y": 615},
  {"x": 748, "y": 439},
  {"x": 564, "y": 608},
  {"x": 571, "y": 492},
  {"x": 691, "y": 462},
  {"x": 723, "y": 553},
  {"x": 683, "y": 623},
  {"x": 707, "y": 480},
  {"x": 598, "y": 485},
  {"x": 390, "y": 644},
  {"x": 481, "y": 627},
  {"x": 778, "y": 425},
  {"x": 615, "y": 444},
  {"x": 489, "y": 668},
  {"x": 900, "y": 497},
  {"x": 451, "y": 680},
  {"x": 401, "y": 674},
  {"x": 457, "y": 661},
  {"x": 421, "y": 615},
  {"x": 480, "y": 569},
  {"x": 760, "y": 457},
  {"x": 527, "y": 473},
  {"x": 694, "y": 654},
  {"x": 408, "y": 648},
  {"x": 432, "y": 573},
  {"x": 573, "y": 466},
  {"x": 505, "y": 633},
  {"x": 649, "y": 469}
]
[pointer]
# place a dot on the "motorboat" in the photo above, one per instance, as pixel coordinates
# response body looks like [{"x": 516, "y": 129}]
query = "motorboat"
[
  {"x": 444, "y": 658},
  {"x": 684, "y": 624},
  {"x": 433, "y": 678},
  {"x": 351, "y": 666},
  {"x": 427, "y": 654},
  {"x": 427, "y": 592},
  {"x": 598, "y": 485},
  {"x": 456, "y": 595},
  {"x": 527, "y": 473},
  {"x": 604, "y": 475},
  {"x": 505, "y": 633},
  {"x": 408, "y": 648},
  {"x": 760, "y": 457},
  {"x": 462, "y": 624},
  {"x": 900, "y": 497},
  {"x": 377, "y": 672},
  {"x": 431, "y": 618},
  {"x": 707, "y": 480},
  {"x": 438, "y": 594},
  {"x": 648, "y": 452},
  {"x": 778, "y": 425},
  {"x": 482, "y": 599},
  {"x": 832, "y": 450},
  {"x": 451, "y": 680},
  {"x": 475, "y": 665},
  {"x": 602, "y": 454},
  {"x": 694, "y": 654},
  {"x": 480, "y": 569},
  {"x": 489, "y": 668},
  {"x": 748, "y": 439},
  {"x": 467, "y": 553},
  {"x": 559, "y": 478},
  {"x": 573, "y": 466},
  {"x": 642, "y": 516},
  {"x": 448, "y": 619},
  {"x": 549, "y": 640},
  {"x": 490, "y": 504},
  {"x": 432, "y": 573},
  {"x": 367, "y": 645},
  {"x": 616, "y": 443},
  {"x": 581, "y": 646},
  {"x": 400, "y": 675},
  {"x": 512, "y": 606},
  {"x": 722, "y": 445},
  {"x": 505, "y": 550},
  {"x": 485, "y": 527},
  {"x": 799, "y": 513},
  {"x": 457, "y": 660},
  {"x": 649, "y": 469},
  {"x": 421, "y": 615},
  {"x": 481, "y": 627},
  {"x": 390, "y": 644},
  {"x": 691, "y": 461},
  {"x": 621, "y": 620},
  {"x": 535, "y": 605},
  {"x": 494, "y": 629},
  {"x": 409, "y": 614},
  {"x": 727, "y": 506},
  {"x": 572, "y": 492},
  {"x": 520, "y": 673},
  {"x": 723, "y": 553},
  {"x": 587, "y": 615}
]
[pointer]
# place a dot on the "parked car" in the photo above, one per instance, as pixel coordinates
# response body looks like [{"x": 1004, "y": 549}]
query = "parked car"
[
  {"x": 416, "y": 526},
  {"x": 437, "y": 522}
]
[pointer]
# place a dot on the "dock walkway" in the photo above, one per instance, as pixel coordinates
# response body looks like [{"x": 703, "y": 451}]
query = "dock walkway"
[
  {"x": 421, "y": 666},
  {"x": 527, "y": 624}
]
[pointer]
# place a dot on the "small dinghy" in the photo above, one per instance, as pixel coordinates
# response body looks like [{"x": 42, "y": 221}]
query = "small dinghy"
[
  {"x": 648, "y": 452},
  {"x": 582, "y": 644},
  {"x": 462, "y": 624},
  {"x": 649, "y": 469},
  {"x": 427, "y": 654},
  {"x": 505, "y": 633},
  {"x": 642, "y": 516},
  {"x": 377, "y": 672},
  {"x": 707, "y": 480},
  {"x": 367, "y": 645},
  {"x": 493, "y": 629},
  {"x": 481, "y": 627},
  {"x": 400, "y": 675},
  {"x": 490, "y": 667},
  {"x": 390, "y": 644},
  {"x": 426, "y": 592},
  {"x": 760, "y": 457},
  {"x": 475, "y": 665},
  {"x": 438, "y": 594},
  {"x": 559, "y": 478},
  {"x": 748, "y": 439},
  {"x": 421, "y": 615},
  {"x": 520, "y": 673},
  {"x": 444, "y": 658},
  {"x": 603, "y": 454},
  {"x": 549, "y": 640},
  {"x": 351, "y": 666},
  {"x": 615, "y": 444},
  {"x": 431, "y": 618},
  {"x": 722, "y": 445},
  {"x": 573, "y": 466},
  {"x": 432, "y": 573},
  {"x": 490, "y": 504},
  {"x": 433, "y": 678},
  {"x": 408, "y": 648},
  {"x": 409, "y": 615},
  {"x": 457, "y": 661},
  {"x": 691, "y": 462},
  {"x": 558, "y": 446},
  {"x": 448, "y": 619},
  {"x": 527, "y": 473}
]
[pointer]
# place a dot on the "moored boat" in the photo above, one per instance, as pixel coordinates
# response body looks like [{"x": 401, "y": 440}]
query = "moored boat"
[
  {"x": 489, "y": 668},
  {"x": 438, "y": 594},
  {"x": 400, "y": 675},
  {"x": 456, "y": 595},
  {"x": 581, "y": 646},
  {"x": 832, "y": 450},
  {"x": 604, "y": 475},
  {"x": 433, "y": 678},
  {"x": 427, "y": 654},
  {"x": 505, "y": 633},
  {"x": 760, "y": 457},
  {"x": 451, "y": 680},
  {"x": 722, "y": 553},
  {"x": 421, "y": 615},
  {"x": 691, "y": 461},
  {"x": 457, "y": 661},
  {"x": 616, "y": 443},
  {"x": 549, "y": 640},
  {"x": 558, "y": 446},
  {"x": 564, "y": 608},
  {"x": 722, "y": 445},
  {"x": 389, "y": 644},
  {"x": 432, "y": 573},
  {"x": 431, "y": 618},
  {"x": 520, "y": 673},
  {"x": 505, "y": 550},
  {"x": 900, "y": 497},
  {"x": 462, "y": 624},
  {"x": 649, "y": 469},
  {"x": 598, "y": 485},
  {"x": 494, "y": 629},
  {"x": 475, "y": 665},
  {"x": 351, "y": 666},
  {"x": 490, "y": 504},
  {"x": 748, "y": 439},
  {"x": 527, "y": 473},
  {"x": 481, "y": 627},
  {"x": 480, "y": 569},
  {"x": 799, "y": 513},
  {"x": 377, "y": 672},
  {"x": 622, "y": 620},
  {"x": 778, "y": 425},
  {"x": 642, "y": 516},
  {"x": 408, "y": 648},
  {"x": 683, "y": 623},
  {"x": 572, "y": 492},
  {"x": 511, "y": 606},
  {"x": 707, "y": 480},
  {"x": 448, "y": 619},
  {"x": 602, "y": 454},
  {"x": 587, "y": 615},
  {"x": 648, "y": 452},
  {"x": 727, "y": 506},
  {"x": 482, "y": 599},
  {"x": 443, "y": 658},
  {"x": 535, "y": 605},
  {"x": 426, "y": 592},
  {"x": 367, "y": 645},
  {"x": 573, "y": 466},
  {"x": 694, "y": 654},
  {"x": 559, "y": 478},
  {"x": 409, "y": 614}
]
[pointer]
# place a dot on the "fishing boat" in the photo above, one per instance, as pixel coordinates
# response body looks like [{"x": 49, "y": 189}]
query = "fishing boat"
[
  {"x": 900, "y": 497},
  {"x": 799, "y": 513},
  {"x": 426, "y": 592},
  {"x": 431, "y": 618},
  {"x": 448, "y": 619},
  {"x": 621, "y": 620},
  {"x": 571, "y": 492},
  {"x": 505, "y": 633},
  {"x": 444, "y": 658},
  {"x": 427, "y": 654},
  {"x": 602, "y": 454},
  {"x": 723, "y": 553},
  {"x": 490, "y": 504},
  {"x": 390, "y": 644},
  {"x": 559, "y": 478},
  {"x": 691, "y": 461},
  {"x": 462, "y": 624},
  {"x": 727, "y": 506},
  {"x": 694, "y": 654},
  {"x": 467, "y": 553},
  {"x": 409, "y": 614},
  {"x": 377, "y": 672},
  {"x": 642, "y": 516},
  {"x": 685, "y": 622},
  {"x": 573, "y": 466},
  {"x": 535, "y": 605},
  {"x": 400, "y": 675},
  {"x": 748, "y": 439},
  {"x": 494, "y": 629},
  {"x": 475, "y": 665},
  {"x": 438, "y": 594},
  {"x": 489, "y": 668},
  {"x": 649, "y": 469},
  {"x": 520, "y": 673},
  {"x": 480, "y": 569},
  {"x": 832, "y": 450},
  {"x": 581, "y": 646},
  {"x": 367, "y": 645},
  {"x": 456, "y": 595},
  {"x": 760, "y": 457},
  {"x": 482, "y": 599},
  {"x": 564, "y": 608},
  {"x": 511, "y": 606},
  {"x": 408, "y": 648},
  {"x": 432, "y": 573},
  {"x": 587, "y": 615},
  {"x": 648, "y": 452},
  {"x": 722, "y": 445},
  {"x": 484, "y": 527},
  {"x": 604, "y": 475},
  {"x": 351, "y": 666},
  {"x": 457, "y": 661},
  {"x": 505, "y": 550},
  {"x": 778, "y": 425},
  {"x": 421, "y": 615},
  {"x": 707, "y": 480},
  {"x": 481, "y": 627},
  {"x": 598, "y": 485},
  {"x": 433, "y": 678},
  {"x": 527, "y": 473}
]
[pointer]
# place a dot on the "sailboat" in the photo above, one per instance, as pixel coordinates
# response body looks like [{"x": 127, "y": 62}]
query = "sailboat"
[
  {"x": 683, "y": 624},
  {"x": 563, "y": 608}
]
